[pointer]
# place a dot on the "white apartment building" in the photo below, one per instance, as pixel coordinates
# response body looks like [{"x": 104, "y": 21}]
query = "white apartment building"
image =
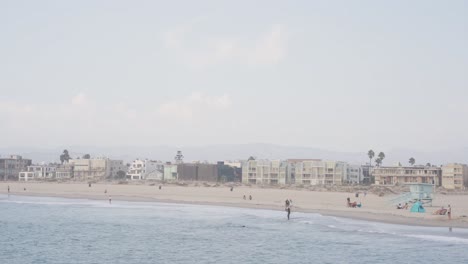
[
  {"x": 316, "y": 172},
  {"x": 264, "y": 172},
  {"x": 145, "y": 169},
  {"x": 454, "y": 176},
  {"x": 37, "y": 172},
  {"x": 392, "y": 175},
  {"x": 354, "y": 174}
]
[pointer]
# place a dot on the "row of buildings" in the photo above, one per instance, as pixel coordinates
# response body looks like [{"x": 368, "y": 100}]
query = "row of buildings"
[
  {"x": 291, "y": 171},
  {"x": 319, "y": 172}
]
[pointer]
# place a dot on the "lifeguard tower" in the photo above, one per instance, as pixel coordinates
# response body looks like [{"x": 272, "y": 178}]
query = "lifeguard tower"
[{"x": 423, "y": 192}]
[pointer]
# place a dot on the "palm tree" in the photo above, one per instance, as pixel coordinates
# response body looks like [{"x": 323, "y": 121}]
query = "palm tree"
[
  {"x": 371, "y": 155},
  {"x": 412, "y": 161},
  {"x": 381, "y": 157},
  {"x": 378, "y": 161},
  {"x": 65, "y": 156}
]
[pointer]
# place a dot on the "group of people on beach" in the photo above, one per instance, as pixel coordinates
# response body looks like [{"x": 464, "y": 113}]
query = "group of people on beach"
[
  {"x": 352, "y": 204},
  {"x": 443, "y": 211}
]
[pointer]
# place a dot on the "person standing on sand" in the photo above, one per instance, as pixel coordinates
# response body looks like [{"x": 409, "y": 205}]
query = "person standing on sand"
[
  {"x": 110, "y": 199},
  {"x": 449, "y": 212},
  {"x": 8, "y": 188},
  {"x": 250, "y": 197},
  {"x": 244, "y": 196}
]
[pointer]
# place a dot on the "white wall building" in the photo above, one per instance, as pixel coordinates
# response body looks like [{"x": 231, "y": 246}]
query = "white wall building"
[
  {"x": 145, "y": 169},
  {"x": 264, "y": 172},
  {"x": 37, "y": 172},
  {"x": 354, "y": 174}
]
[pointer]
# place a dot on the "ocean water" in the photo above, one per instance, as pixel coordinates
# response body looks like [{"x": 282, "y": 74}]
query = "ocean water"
[{"x": 54, "y": 230}]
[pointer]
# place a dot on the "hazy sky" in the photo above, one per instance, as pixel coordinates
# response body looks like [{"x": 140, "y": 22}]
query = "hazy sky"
[{"x": 340, "y": 75}]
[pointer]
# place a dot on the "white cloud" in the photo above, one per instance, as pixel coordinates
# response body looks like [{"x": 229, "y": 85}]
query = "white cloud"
[
  {"x": 268, "y": 48},
  {"x": 197, "y": 104},
  {"x": 79, "y": 99}
]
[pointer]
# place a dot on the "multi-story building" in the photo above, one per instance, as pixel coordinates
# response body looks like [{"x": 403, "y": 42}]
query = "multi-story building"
[
  {"x": 400, "y": 175},
  {"x": 115, "y": 166},
  {"x": 454, "y": 176},
  {"x": 317, "y": 172},
  {"x": 145, "y": 169},
  {"x": 37, "y": 172},
  {"x": 11, "y": 166},
  {"x": 264, "y": 172},
  {"x": 197, "y": 172},
  {"x": 96, "y": 169},
  {"x": 354, "y": 174},
  {"x": 64, "y": 171}
]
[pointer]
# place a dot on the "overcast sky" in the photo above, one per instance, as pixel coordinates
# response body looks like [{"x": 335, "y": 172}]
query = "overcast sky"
[{"x": 339, "y": 75}]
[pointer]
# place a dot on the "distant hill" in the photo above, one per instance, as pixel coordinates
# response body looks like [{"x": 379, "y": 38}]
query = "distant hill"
[{"x": 213, "y": 153}]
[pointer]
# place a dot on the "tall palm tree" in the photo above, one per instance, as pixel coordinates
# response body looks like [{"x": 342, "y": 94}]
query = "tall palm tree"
[
  {"x": 381, "y": 157},
  {"x": 371, "y": 155},
  {"x": 412, "y": 161}
]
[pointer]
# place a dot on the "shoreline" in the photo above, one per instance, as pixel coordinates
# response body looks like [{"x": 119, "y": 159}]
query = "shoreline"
[{"x": 325, "y": 203}]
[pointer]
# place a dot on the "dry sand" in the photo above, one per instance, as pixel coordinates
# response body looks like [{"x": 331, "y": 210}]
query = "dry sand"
[{"x": 374, "y": 208}]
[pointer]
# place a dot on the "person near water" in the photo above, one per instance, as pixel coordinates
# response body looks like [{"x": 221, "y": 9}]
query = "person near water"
[
  {"x": 287, "y": 203},
  {"x": 289, "y": 211},
  {"x": 25, "y": 188},
  {"x": 110, "y": 199},
  {"x": 8, "y": 188},
  {"x": 250, "y": 197},
  {"x": 449, "y": 212},
  {"x": 349, "y": 201},
  {"x": 244, "y": 197},
  {"x": 160, "y": 187}
]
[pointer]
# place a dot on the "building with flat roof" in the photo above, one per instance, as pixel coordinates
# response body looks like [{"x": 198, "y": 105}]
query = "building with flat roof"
[
  {"x": 11, "y": 166},
  {"x": 145, "y": 169},
  {"x": 197, "y": 172},
  {"x": 455, "y": 176},
  {"x": 392, "y": 175},
  {"x": 317, "y": 172},
  {"x": 264, "y": 172}
]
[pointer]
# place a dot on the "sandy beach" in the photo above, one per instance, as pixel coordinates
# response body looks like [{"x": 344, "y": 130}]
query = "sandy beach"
[{"x": 374, "y": 208}]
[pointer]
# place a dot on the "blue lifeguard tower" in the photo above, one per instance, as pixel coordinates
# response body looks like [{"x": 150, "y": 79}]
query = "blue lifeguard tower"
[{"x": 419, "y": 192}]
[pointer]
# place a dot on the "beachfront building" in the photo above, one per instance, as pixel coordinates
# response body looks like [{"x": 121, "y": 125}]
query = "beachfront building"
[
  {"x": 264, "y": 172},
  {"x": 393, "y": 175},
  {"x": 11, "y": 166},
  {"x": 354, "y": 174},
  {"x": 26, "y": 176},
  {"x": 37, "y": 172},
  {"x": 316, "y": 172},
  {"x": 116, "y": 166},
  {"x": 95, "y": 169},
  {"x": 64, "y": 171},
  {"x": 197, "y": 172},
  {"x": 145, "y": 169},
  {"x": 454, "y": 176},
  {"x": 170, "y": 172}
]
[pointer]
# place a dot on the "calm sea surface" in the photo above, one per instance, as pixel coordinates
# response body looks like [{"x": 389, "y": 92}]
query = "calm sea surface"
[{"x": 55, "y": 230}]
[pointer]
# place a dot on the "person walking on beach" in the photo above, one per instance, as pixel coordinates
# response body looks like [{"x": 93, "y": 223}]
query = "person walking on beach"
[
  {"x": 8, "y": 188},
  {"x": 110, "y": 199},
  {"x": 449, "y": 212}
]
